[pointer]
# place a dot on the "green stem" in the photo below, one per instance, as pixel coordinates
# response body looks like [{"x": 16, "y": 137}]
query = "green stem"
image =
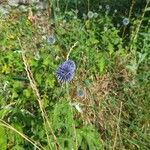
[{"x": 71, "y": 110}]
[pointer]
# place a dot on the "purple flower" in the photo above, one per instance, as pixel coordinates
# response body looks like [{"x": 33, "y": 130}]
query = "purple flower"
[{"x": 65, "y": 71}]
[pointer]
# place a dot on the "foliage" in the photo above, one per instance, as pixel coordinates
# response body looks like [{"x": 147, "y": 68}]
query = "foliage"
[{"x": 112, "y": 71}]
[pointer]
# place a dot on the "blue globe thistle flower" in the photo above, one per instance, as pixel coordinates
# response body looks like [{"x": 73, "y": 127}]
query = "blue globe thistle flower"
[
  {"x": 115, "y": 11},
  {"x": 65, "y": 71},
  {"x": 125, "y": 21},
  {"x": 90, "y": 14},
  {"x": 100, "y": 7},
  {"x": 80, "y": 92},
  {"x": 107, "y": 7},
  {"x": 51, "y": 39},
  {"x": 118, "y": 25}
]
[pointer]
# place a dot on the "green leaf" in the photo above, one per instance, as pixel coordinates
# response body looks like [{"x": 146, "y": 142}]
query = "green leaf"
[
  {"x": 101, "y": 65},
  {"x": 147, "y": 9},
  {"x": 27, "y": 93}
]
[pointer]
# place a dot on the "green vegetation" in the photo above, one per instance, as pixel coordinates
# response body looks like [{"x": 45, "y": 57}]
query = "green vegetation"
[{"x": 105, "y": 106}]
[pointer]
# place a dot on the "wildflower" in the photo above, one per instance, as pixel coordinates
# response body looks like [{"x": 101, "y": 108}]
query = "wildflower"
[
  {"x": 118, "y": 25},
  {"x": 84, "y": 16},
  {"x": 107, "y": 7},
  {"x": 90, "y": 14},
  {"x": 125, "y": 21},
  {"x": 115, "y": 11},
  {"x": 95, "y": 15},
  {"x": 100, "y": 7},
  {"x": 65, "y": 71},
  {"x": 51, "y": 39},
  {"x": 80, "y": 92}
]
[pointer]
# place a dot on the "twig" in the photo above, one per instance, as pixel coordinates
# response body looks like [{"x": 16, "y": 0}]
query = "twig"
[
  {"x": 120, "y": 110},
  {"x": 135, "y": 35},
  {"x": 75, "y": 44},
  {"x": 73, "y": 124}
]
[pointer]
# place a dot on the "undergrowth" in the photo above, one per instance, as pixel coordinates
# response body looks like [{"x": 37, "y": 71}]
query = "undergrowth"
[{"x": 105, "y": 106}]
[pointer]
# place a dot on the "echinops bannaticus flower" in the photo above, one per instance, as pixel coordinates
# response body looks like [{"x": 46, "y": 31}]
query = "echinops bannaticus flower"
[
  {"x": 90, "y": 14},
  {"x": 65, "y": 71},
  {"x": 107, "y": 7},
  {"x": 100, "y": 6},
  {"x": 80, "y": 92},
  {"x": 125, "y": 21},
  {"x": 51, "y": 39}
]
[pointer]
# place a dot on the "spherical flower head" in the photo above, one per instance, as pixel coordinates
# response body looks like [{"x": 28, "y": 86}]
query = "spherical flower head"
[
  {"x": 90, "y": 14},
  {"x": 51, "y": 39},
  {"x": 107, "y": 7},
  {"x": 80, "y": 92},
  {"x": 125, "y": 21},
  {"x": 95, "y": 15},
  {"x": 118, "y": 25},
  {"x": 65, "y": 71},
  {"x": 100, "y": 6},
  {"x": 115, "y": 11}
]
